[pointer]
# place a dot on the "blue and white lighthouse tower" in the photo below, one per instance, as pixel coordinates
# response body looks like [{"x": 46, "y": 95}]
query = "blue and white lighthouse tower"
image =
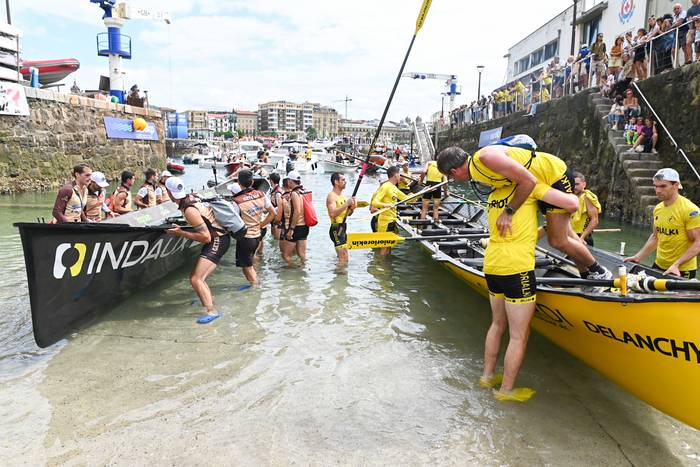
[{"x": 115, "y": 45}]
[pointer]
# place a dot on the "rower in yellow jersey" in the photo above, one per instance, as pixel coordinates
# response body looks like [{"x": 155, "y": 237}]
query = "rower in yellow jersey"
[
  {"x": 520, "y": 180},
  {"x": 676, "y": 234},
  {"x": 585, "y": 219},
  {"x": 551, "y": 184},
  {"x": 405, "y": 181},
  {"x": 339, "y": 208},
  {"x": 432, "y": 177},
  {"x": 386, "y": 196}
]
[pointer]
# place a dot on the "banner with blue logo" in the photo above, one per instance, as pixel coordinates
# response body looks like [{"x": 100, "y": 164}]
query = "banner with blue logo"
[
  {"x": 487, "y": 137},
  {"x": 123, "y": 128}
]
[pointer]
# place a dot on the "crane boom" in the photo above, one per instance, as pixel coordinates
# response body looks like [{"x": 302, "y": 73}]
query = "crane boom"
[
  {"x": 415, "y": 75},
  {"x": 451, "y": 87}
]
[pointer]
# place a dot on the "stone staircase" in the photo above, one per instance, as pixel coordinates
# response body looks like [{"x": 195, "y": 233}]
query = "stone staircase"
[{"x": 639, "y": 167}]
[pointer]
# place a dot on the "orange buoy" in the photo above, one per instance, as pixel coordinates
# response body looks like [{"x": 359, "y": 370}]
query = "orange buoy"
[{"x": 140, "y": 124}]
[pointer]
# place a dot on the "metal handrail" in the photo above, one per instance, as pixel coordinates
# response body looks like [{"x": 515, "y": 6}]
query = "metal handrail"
[{"x": 670, "y": 137}]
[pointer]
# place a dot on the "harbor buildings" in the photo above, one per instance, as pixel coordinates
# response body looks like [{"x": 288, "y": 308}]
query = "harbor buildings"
[
  {"x": 362, "y": 131},
  {"x": 246, "y": 122},
  {"x": 198, "y": 124},
  {"x": 290, "y": 118}
]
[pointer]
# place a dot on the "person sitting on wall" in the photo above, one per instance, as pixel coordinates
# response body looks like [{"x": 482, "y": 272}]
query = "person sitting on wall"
[
  {"x": 647, "y": 139},
  {"x": 134, "y": 99}
]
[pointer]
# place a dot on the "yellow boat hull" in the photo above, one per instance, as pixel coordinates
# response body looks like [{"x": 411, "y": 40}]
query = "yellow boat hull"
[{"x": 650, "y": 348}]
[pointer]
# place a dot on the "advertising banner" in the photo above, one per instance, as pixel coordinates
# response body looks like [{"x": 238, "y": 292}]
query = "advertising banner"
[
  {"x": 13, "y": 100},
  {"x": 123, "y": 128},
  {"x": 490, "y": 136}
]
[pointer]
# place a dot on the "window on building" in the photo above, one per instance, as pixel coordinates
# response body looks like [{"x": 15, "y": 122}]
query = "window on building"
[
  {"x": 536, "y": 57},
  {"x": 550, "y": 50},
  {"x": 590, "y": 30}
]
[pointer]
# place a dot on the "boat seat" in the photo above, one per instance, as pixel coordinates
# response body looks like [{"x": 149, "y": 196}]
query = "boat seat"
[
  {"x": 454, "y": 221},
  {"x": 540, "y": 262},
  {"x": 409, "y": 212},
  {"x": 434, "y": 232},
  {"x": 453, "y": 245},
  {"x": 472, "y": 230},
  {"x": 420, "y": 221}
]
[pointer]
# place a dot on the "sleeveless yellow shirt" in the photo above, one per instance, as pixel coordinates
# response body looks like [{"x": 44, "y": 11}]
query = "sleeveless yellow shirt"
[
  {"x": 432, "y": 174},
  {"x": 340, "y": 218},
  {"x": 580, "y": 219}
]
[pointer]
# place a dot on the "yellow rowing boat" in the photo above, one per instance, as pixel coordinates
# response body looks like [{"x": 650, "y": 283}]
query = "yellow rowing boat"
[{"x": 647, "y": 343}]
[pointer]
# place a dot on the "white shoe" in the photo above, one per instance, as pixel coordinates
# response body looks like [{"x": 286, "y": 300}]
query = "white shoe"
[
  {"x": 605, "y": 275},
  {"x": 639, "y": 149}
]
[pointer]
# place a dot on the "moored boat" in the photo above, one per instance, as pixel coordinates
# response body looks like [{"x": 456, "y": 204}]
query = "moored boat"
[
  {"x": 50, "y": 71},
  {"x": 175, "y": 168},
  {"x": 75, "y": 269},
  {"x": 647, "y": 343},
  {"x": 330, "y": 166}
]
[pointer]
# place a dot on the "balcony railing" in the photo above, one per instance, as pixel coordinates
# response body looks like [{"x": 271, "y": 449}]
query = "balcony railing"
[{"x": 120, "y": 45}]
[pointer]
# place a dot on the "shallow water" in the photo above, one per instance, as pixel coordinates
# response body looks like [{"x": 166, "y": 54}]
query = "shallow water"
[{"x": 377, "y": 364}]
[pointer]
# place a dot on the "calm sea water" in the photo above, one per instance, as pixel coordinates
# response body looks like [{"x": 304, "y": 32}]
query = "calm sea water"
[{"x": 377, "y": 364}]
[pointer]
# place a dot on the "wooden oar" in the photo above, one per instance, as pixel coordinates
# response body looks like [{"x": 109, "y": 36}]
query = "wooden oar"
[
  {"x": 419, "y": 24},
  {"x": 362, "y": 240},
  {"x": 425, "y": 190},
  {"x": 649, "y": 284}
]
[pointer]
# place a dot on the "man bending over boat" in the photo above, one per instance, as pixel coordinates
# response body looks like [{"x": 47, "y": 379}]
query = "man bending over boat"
[
  {"x": 509, "y": 261},
  {"x": 386, "y": 197},
  {"x": 495, "y": 166},
  {"x": 206, "y": 230},
  {"x": 676, "y": 229}
]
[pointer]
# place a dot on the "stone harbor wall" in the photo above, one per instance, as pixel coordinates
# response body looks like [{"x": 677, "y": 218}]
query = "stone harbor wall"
[
  {"x": 38, "y": 151},
  {"x": 572, "y": 128}
]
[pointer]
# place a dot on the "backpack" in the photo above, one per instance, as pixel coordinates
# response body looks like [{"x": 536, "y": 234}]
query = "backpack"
[
  {"x": 227, "y": 216},
  {"x": 518, "y": 141},
  {"x": 310, "y": 216}
]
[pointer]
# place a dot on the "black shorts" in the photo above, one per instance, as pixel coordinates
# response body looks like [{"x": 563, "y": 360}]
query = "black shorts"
[
  {"x": 216, "y": 249},
  {"x": 300, "y": 233},
  {"x": 263, "y": 232},
  {"x": 514, "y": 288},
  {"x": 373, "y": 224},
  {"x": 640, "y": 54},
  {"x": 696, "y": 45},
  {"x": 339, "y": 234},
  {"x": 684, "y": 274},
  {"x": 435, "y": 194},
  {"x": 565, "y": 184},
  {"x": 245, "y": 250}
]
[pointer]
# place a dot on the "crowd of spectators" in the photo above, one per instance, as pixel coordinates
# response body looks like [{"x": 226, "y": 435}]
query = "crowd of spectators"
[{"x": 668, "y": 42}]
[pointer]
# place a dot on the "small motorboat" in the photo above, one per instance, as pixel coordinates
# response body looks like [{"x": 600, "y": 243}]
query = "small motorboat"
[
  {"x": 50, "y": 71},
  {"x": 175, "y": 168},
  {"x": 329, "y": 166},
  {"x": 211, "y": 163}
]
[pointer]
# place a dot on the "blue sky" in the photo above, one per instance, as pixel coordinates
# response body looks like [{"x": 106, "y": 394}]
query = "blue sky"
[{"x": 234, "y": 54}]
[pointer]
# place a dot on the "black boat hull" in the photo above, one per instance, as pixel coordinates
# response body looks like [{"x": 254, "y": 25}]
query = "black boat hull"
[{"x": 74, "y": 270}]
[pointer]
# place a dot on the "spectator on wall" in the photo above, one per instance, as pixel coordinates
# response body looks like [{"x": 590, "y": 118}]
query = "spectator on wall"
[
  {"x": 582, "y": 67},
  {"x": 693, "y": 14},
  {"x": 679, "y": 23},
  {"x": 615, "y": 63},
  {"x": 600, "y": 58},
  {"x": 640, "y": 54}
]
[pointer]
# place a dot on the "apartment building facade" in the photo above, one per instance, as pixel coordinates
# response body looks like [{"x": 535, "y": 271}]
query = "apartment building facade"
[{"x": 247, "y": 122}]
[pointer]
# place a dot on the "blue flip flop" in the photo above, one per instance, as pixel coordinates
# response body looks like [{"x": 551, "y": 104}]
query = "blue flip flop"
[
  {"x": 204, "y": 319},
  {"x": 243, "y": 287}
]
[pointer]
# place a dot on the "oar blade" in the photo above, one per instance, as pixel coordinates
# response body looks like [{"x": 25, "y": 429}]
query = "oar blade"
[{"x": 364, "y": 240}]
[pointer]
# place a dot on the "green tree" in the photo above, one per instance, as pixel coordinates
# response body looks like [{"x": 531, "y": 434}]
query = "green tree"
[
  {"x": 241, "y": 133},
  {"x": 218, "y": 133},
  {"x": 311, "y": 133},
  {"x": 228, "y": 134}
]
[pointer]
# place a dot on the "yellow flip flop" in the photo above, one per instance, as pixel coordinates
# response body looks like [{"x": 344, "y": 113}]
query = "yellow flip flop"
[
  {"x": 517, "y": 394},
  {"x": 491, "y": 382}
]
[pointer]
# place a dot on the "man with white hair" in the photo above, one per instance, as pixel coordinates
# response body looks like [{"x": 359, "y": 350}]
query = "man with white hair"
[
  {"x": 206, "y": 230},
  {"x": 679, "y": 23}
]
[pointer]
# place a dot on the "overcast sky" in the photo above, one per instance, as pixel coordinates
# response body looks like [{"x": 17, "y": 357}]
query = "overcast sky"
[{"x": 234, "y": 54}]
